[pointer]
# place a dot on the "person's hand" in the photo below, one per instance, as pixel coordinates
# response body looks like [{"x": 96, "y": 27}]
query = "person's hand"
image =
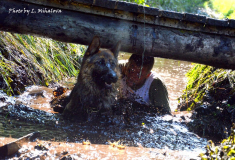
[{"x": 122, "y": 69}]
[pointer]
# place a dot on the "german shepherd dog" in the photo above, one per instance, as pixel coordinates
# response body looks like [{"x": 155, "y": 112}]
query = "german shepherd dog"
[{"x": 97, "y": 82}]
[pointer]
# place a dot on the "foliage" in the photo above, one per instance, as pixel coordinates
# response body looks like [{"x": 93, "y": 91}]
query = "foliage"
[
  {"x": 211, "y": 8},
  {"x": 173, "y": 5},
  {"x": 28, "y": 60},
  {"x": 178, "y": 5},
  {"x": 226, "y": 7},
  {"x": 202, "y": 79},
  {"x": 5, "y": 71},
  {"x": 226, "y": 150},
  {"x": 140, "y": 2}
]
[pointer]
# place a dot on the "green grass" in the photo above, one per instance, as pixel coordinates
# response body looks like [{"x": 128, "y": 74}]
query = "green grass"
[
  {"x": 188, "y": 6},
  {"x": 201, "y": 78},
  {"x": 226, "y": 150},
  {"x": 41, "y": 60},
  {"x": 226, "y": 7}
]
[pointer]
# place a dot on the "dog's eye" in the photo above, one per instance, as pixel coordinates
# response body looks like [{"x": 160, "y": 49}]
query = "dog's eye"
[
  {"x": 101, "y": 62},
  {"x": 112, "y": 64}
]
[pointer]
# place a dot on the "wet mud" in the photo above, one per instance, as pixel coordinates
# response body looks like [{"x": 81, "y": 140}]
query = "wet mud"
[{"x": 156, "y": 136}]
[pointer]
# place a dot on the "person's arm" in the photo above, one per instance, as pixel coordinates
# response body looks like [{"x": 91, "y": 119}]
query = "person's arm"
[{"x": 158, "y": 96}]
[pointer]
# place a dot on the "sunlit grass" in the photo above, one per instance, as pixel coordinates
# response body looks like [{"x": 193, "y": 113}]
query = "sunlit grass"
[
  {"x": 5, "y": 71},
  {"x": 188, "y": 6},
  {"x": 44, "y": 60},
  {"x": 201, "y": 78},
  {"x": 226, "y": 7},
  {"x": 232, "y": 16}
]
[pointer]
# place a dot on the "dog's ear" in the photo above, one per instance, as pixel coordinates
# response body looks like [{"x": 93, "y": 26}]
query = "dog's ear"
[
  {"x": 116, "y": 49},
  {"x": 93, "y": 47}
]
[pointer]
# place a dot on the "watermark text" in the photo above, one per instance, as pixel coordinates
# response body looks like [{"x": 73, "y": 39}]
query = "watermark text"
[{"x": 33, "y": 11}]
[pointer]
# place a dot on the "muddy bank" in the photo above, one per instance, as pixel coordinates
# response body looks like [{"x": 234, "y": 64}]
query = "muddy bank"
[{"x": 210, "y": 95}]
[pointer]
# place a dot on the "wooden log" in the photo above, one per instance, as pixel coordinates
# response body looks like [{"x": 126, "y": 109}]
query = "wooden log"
[
  {"x": 13, "y": 147},
  {"x": 144, "y": 34}
]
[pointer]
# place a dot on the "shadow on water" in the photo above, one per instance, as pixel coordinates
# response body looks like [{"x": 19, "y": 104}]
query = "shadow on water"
[{"x": 144, "y": 129}]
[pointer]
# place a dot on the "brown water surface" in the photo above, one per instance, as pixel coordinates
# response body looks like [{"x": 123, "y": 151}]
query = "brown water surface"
[{"x": 57, "y": 150}]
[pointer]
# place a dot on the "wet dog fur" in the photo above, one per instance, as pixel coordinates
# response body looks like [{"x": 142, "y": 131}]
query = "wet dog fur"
[{"x": 97, "y": 82}]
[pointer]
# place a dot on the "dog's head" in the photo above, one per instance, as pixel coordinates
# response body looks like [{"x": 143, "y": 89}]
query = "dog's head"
[{"x": 102, "y": 64}]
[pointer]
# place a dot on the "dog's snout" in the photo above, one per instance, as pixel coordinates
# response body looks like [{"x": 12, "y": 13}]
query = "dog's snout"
[{"x": 112, "y": 77}]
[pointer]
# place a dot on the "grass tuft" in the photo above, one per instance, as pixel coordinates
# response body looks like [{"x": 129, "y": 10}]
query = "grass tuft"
[{"x": 27, "y": 60}]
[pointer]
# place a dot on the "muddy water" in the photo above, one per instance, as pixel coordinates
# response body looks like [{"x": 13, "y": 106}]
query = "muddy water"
[
  {"x": 145, "y": 137},
  {"x": 94, "y": 151}
]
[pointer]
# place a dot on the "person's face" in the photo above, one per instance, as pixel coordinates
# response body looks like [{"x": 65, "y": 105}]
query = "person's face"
[{"x": 133, "y": 74}]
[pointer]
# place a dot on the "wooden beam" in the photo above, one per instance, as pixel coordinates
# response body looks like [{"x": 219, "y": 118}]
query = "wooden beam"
[
  {"x": 140, "y": 33},
  {"x": 13, "y": 147}
]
